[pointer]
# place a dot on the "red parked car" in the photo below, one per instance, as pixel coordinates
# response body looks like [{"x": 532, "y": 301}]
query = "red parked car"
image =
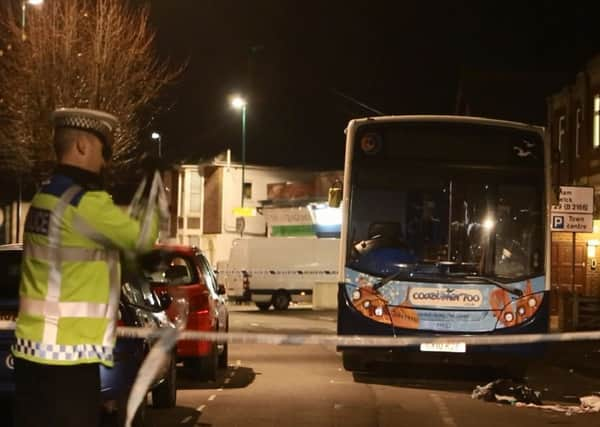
[{"x": 185, "y": 271}]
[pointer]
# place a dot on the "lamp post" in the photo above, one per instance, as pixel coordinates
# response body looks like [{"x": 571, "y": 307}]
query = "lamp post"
[
  {"x": 24, "y": 14},
  {"x": 24, "y": 4},
  {"x": 157, "y": 137},
  {"x": 239, "y": 103}
]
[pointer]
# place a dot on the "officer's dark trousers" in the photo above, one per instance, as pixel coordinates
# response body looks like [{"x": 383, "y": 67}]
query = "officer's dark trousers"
[{"x": 57, "y": 396}]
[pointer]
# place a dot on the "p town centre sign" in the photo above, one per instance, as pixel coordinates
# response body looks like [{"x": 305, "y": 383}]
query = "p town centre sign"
[{"x": 574, "y": 210}]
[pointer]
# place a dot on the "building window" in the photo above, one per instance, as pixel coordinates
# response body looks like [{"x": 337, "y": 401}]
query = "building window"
[
  {"x": 596, "y": 121},
  {"x": 195, "y": 193},
  {"x": 181, "y": 192},
  {"x": 247, "y": 190},
  {"x": 578, "y": 120},
  {"x": 561, "y": 135},
  {"x": 194, "y": 240}
]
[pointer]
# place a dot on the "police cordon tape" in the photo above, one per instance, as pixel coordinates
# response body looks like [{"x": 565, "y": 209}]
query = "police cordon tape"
[
  {"x": 348, "y": 340},
  {"x": 280, "y": 272},
  {"x": 360, "y": 340}
]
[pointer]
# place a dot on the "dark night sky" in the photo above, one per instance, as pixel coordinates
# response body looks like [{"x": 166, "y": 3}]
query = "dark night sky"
[{"x": 400, "y": 57}]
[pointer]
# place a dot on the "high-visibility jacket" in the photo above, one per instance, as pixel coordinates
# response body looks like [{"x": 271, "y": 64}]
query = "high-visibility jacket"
[{"x": 70, "y": 282}]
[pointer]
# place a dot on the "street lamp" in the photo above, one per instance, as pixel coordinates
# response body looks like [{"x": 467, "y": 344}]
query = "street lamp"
[
  {"x": 239, "y": 103},
  {"x": 156, "y": 137},
  {"x": 24, "y": 14}
]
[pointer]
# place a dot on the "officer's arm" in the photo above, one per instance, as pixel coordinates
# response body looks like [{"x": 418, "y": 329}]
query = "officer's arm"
[{"x": 104, "y": 222}]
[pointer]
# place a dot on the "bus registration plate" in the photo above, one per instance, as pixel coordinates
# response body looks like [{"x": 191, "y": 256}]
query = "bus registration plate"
[{"x": 457, "y": 347}]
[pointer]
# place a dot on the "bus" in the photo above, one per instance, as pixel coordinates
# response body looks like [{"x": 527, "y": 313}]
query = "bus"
[{"x": 444, "y": 233}]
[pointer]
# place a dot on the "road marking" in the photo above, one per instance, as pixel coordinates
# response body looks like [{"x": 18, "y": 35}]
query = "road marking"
[
  {"x": 337, "y": 406},
  {"x": 443, "y": 409},
  {"x": 212, "y": 397},
  {"x": 186, "y": 420},
  {"x": 340, "y": 382},
  {"x": 200, "y": 408},
  {"x": 220, "y": 389},
  {"x": 254, "y": 324}
]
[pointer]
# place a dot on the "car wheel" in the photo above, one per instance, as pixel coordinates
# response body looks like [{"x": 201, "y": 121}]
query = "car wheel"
[
  {"x": 165, "y": 394},
  {"x": 141, "y": 418},
  {"x": 223, "y": 357},
  {"x": 281, "y": 300},
  {"x": 263, "y": 306},
  {"x": 204, "y": 368}
]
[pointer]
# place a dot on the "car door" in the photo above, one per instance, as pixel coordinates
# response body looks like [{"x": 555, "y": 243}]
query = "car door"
[
  {"x": 210, "y": 278},
  {"x": 181, "y": 279},
  {"x": 10, "y": 273}
]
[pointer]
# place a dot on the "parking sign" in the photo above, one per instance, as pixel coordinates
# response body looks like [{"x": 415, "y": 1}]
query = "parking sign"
[{"x": 574, "y": 210}]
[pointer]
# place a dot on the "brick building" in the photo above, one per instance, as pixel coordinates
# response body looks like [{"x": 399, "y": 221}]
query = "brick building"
[{"x": 573, "y": 120}]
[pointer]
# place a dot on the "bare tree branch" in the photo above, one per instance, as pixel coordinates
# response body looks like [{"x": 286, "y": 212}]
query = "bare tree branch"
[{"x": 77, "y": 53}]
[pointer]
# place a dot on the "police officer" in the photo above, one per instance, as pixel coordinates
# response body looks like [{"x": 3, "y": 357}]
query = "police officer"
[{"x": 70, "y": 283}]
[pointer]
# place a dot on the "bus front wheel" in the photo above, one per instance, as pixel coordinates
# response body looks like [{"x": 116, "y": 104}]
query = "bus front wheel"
[{"x": 353, "y": 361}]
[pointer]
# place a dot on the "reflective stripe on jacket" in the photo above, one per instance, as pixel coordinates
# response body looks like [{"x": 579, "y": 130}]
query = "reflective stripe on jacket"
[{"x": 71, "y": 278}]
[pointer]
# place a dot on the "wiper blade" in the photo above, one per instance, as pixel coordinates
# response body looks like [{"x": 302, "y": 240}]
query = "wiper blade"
[
  {"x": 510, "y": 289},
  {"x": 401, "y": 272},
  {"x": 405, "y": 271},
  {"x": 467, "y": 271}
]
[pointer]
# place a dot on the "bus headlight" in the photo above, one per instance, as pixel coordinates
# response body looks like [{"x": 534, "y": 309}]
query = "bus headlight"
[
  {"x": 518, "y": 311},
  {"x": 369, "y": 303}
]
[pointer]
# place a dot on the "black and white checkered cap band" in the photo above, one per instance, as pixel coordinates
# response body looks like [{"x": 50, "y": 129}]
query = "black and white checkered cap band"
[{"x": 85, "y": 123}]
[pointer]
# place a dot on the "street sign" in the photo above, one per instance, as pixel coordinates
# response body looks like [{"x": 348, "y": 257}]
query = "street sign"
[
  {"x": 575, "y": 200},
  {"x": 577, "y": 223},
  {"x": 244, "y": 212},
  {"x": 574, "y": 210}
]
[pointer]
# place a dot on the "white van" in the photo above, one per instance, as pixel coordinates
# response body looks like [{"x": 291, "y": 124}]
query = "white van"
[{"x": 277, "y": 270}]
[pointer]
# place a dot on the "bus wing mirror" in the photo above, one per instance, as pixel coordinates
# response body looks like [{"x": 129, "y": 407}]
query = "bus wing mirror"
[{"x": 335, "y": 195}]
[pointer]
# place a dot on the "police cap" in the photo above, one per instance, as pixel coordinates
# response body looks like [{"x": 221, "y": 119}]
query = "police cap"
[{"x": 100, "y": 123}]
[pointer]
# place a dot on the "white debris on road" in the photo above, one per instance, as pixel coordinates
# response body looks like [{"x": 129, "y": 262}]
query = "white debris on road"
[
  {"x": 588, "y": 404},
  {"x": 521, "y": 396}
]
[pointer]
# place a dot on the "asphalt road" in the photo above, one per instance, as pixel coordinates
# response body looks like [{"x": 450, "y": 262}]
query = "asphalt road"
[{"x": 307, "y": 386}]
